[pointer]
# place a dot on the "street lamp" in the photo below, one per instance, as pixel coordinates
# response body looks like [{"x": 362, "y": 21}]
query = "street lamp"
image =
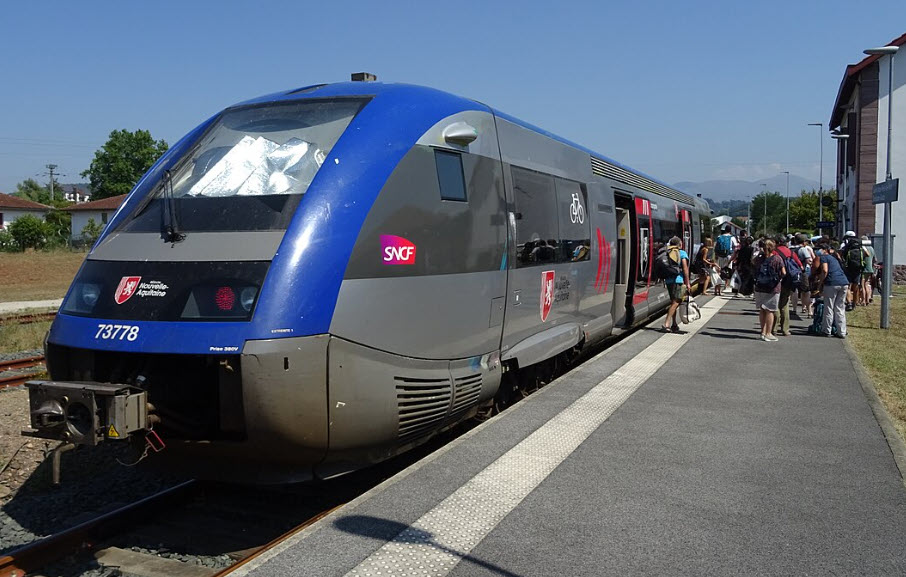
[
  {"x": 844, "y": 138},
  {"x": 764, "y": 199},
  {"x": 787, "y": 173},
  {"x": 888, "y": 241},
  {"x": 820, "y": 170}
]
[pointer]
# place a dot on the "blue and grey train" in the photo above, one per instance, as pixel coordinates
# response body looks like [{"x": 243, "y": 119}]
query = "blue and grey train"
[{"x": 319, "y": 279}]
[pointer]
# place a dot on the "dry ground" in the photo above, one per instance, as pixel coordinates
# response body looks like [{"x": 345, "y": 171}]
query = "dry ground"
[
  {"x": 36, "y": 275},
  {"x": 19, "y": 456}
]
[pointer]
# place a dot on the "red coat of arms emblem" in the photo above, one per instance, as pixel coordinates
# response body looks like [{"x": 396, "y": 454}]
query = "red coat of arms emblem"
[
  {"x": 126, "y": 289},
  {"x": 547, "y": 293}
]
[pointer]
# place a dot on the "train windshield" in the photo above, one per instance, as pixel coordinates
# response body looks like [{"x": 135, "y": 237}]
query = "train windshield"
[{"x": 248, "y": 171}]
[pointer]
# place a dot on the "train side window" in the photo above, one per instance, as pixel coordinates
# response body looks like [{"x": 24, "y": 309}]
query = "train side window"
[
  {"x": 575, "y": 228},
  {"x": 537, "y": 237},
  {"x": 450, "y": 175}
]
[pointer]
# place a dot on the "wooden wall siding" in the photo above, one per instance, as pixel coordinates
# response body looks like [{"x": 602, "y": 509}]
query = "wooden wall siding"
[{"x": 868, "y": 149}]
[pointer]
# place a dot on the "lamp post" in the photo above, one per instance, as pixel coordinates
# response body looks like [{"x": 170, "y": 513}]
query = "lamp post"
[
  {"x": 787, "y": 173},
  {"x": 820, "y": 170},
  {"x": 888, "y": 241},
  {"x": 764, "y": 199},
  {"x": 845, "y": 139}
]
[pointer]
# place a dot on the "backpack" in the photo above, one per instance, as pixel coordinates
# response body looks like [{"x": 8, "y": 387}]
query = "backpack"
[
  {"x": 793, "y": 271},
  {"x": 855, "y": 259},
  {"x": 724, "y": 245},
  {"x": 666, "y": 267},
  {"x": 768, "y": 276}
]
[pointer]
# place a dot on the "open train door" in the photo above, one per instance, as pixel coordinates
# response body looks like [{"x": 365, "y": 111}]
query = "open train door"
[{"x": 625, "y": 260}]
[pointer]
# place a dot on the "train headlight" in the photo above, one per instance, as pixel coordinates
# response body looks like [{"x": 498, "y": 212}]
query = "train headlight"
[
  {"x": 247, "y": 297},
  {"x": 89, "y": 294},
  {"x": 83, "y": 298}
]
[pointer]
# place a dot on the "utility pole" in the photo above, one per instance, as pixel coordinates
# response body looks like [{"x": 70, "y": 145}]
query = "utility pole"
[{"x": 51, "y": 168}]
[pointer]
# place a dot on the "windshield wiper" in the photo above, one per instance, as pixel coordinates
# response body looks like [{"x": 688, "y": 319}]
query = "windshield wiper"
[{"x": 171, "y": 229}]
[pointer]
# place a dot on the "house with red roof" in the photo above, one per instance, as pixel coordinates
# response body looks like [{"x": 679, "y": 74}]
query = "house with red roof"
[
  {"x": 12, "y": 207},
  {"x": 99, "y": 210}
]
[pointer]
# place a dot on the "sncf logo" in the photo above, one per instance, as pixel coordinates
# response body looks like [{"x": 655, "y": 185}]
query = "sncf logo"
[{"x": 397, "y": 250}]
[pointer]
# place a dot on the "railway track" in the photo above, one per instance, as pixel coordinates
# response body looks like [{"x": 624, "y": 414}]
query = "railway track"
[
  {"x": 199, "y": 521},
  {"x": 19, "y": 379},
  {"x": 23, "y": 319}
]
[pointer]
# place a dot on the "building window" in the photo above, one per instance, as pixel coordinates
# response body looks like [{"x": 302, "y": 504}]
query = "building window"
[
  {"x": 450, "y": 176},
  {"x": 1, "y": 220},
  {"x": 104, "y": 217}
]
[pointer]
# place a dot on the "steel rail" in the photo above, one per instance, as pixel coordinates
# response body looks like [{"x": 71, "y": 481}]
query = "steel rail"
[{"x": 38, "y": 554}]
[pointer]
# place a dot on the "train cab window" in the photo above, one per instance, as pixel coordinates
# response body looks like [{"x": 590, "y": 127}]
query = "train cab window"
[
  {"x": 575, "y": 228},
  {"x": 450, "y": 175},
  {"x": 537, "y": 237}
]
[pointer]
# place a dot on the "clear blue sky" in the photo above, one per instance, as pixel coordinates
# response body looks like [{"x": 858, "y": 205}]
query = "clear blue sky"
[{"x": 688, "y": 90}]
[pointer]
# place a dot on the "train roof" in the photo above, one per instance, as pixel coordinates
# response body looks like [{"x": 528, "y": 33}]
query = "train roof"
[{"x": 605, "y": 166}]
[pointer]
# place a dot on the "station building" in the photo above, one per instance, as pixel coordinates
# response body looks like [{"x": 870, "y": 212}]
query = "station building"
[{"x": 860, "y": 116}]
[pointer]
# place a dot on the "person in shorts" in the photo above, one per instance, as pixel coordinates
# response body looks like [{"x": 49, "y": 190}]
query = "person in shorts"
[
  {"x": 677, "y": 287},
  {"x": 868, "y": 271},
  {"x": 769, "y": 272}
]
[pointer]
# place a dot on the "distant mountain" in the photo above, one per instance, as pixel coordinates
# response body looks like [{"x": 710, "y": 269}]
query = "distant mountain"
[{"x": 722, "y": 190}]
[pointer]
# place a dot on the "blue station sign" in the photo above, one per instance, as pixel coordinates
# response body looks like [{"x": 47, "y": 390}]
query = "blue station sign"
[{"x": 885, "y": 192}]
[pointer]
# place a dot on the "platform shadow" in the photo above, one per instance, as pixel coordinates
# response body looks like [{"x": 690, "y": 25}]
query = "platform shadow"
[{"x": 387, "y": 530}]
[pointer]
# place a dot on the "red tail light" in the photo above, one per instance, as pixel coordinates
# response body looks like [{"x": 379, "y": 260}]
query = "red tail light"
[{"x": 225, "y": 298}]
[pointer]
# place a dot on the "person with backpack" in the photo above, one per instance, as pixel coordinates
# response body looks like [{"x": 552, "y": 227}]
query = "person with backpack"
[
  {"x": 854, "y": 263},
  {"x": 806, "y": 256},
  {"x": 725, "y": 247},
  {"x": 770, "y": 270},
  {"x": 831, "y": 281},
  {"x": 788, "y": 284},
  {"x": 672, "y": 266}
]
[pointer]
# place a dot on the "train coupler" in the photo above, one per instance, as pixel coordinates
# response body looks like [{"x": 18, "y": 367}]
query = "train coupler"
[{"x": 85, "y": 413}]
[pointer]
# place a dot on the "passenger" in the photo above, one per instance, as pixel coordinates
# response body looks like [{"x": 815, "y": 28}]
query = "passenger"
[
  {"x": 868, "y": 271},
  {"x": 704, "y": 264},
  {"x": 788, "y": 285},
  {"x": 807, "y": 257},
  {"x": 676, "y": 288},
  {"x": 832, "y": 282},
  {"x": 767, "y": 288},
  {"x": 725, "y": 247},
  {"x": 742, "y": 261},
  {"x": 853, "y": 256}
]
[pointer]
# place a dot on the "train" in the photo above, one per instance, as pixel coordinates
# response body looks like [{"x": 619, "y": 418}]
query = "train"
[{"x": 316, "y": 280}]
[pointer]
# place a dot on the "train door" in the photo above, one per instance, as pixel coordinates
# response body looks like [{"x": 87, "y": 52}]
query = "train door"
[
  {"x": 644, "y": 269},
  {"x": 686, "y": 219},
  {"x": 623, "y": 268}
]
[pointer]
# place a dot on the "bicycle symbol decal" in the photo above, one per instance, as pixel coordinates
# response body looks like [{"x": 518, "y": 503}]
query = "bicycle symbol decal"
[{"x": 576, "y": 212}]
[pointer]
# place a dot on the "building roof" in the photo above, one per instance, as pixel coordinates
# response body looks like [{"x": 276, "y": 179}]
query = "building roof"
[
  {"x": 849, "y": 83},
  {"x": 111, "y": 203},
  {"x": 9, "y": 201}
]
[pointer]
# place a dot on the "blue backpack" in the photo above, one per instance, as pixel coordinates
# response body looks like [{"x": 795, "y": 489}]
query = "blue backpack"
[
  {"x": 768, "y": 276},
  {"x": 724, "y": 245},
  {"x": 793, "y": 271}
]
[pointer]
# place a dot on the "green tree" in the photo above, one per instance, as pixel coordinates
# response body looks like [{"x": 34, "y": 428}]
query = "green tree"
[
  {"x": 804, "y": 212},
  {"x": 119, "y": 164},
  {"x": 91, "y": 231},
  {"x": 30, "y": 231},
  {"x": 30, "y": 189}
]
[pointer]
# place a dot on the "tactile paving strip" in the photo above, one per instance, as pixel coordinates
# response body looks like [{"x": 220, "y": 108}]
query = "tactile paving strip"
[{"x": 444, "y": 536}]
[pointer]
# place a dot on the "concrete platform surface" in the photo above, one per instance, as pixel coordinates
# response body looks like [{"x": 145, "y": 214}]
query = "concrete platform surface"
[
  {"x": 709, "y": 453},
  {"x": 17, "y": 306}
]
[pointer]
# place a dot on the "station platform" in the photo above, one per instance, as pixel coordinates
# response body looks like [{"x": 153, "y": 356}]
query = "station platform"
[{"x": 708, "y": 453}]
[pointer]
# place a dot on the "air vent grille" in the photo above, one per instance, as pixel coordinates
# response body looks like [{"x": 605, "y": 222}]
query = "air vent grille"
[
  {"x": 422, "y": 403},
  {"x": 608, "y": 170},
  {"x": 466, "y": 391}
]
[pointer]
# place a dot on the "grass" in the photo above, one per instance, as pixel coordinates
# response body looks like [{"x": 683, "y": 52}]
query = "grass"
[
  {"x": 15, "y": 337},
  {"x": 37, "y": 275},
  {"x": 883, "y": 352}
]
